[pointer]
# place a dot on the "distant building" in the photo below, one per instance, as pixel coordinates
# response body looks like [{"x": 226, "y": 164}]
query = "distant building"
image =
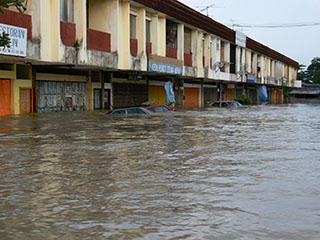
[
  {"x": 83, "y": 55},
  {"x": 307, "y": 94}
]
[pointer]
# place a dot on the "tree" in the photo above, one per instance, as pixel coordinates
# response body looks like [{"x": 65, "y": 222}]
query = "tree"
[
  {"x": 313, "y": 71},
  {"x": 302, "y": 73},
  {"x": 18, "y": 4}
]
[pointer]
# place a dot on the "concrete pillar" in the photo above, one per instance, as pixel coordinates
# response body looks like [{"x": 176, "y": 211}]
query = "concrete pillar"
[
  {"x": 202, "y": 93},
  {"x": 155, "y": 34},
  {"x": 194, "y": 47},
  {"x": 207, "y": 50},
  {"x": 80, "y": 19},
  {"x": 90, "y": 105},
  {"x": 50, "y": 30},
  {"x": 181, "y": 41},
  {"x": 113, "y": 23},
  {"x": 141, "y": 31},
  {"x": 199, "y": 57},
  {"x": 162, "y": 36},
  {"x": 35, "y": 90},
  {"x": 124, "y": 35},
  {"x": 101, "y": 78}
]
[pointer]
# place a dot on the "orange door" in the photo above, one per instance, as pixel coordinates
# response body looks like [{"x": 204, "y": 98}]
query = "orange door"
[
  {"x": 191, "y": 97},
  {"x": 4, "y": 97},
  {"x": 26, "y": 102},
  {"x": 279, "y": 97}
]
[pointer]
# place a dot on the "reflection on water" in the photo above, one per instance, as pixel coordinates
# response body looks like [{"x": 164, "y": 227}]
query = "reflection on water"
[{"x": 247, "y": 173}]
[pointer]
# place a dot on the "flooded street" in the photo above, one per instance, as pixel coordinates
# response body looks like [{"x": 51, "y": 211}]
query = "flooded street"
[{"x": 246, "y": 173}]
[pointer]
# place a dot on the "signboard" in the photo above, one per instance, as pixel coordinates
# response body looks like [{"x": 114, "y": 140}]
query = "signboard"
[
  {"x": 284, "y": 81},
  {"x": 68, "y": 92},
  {"x": 164, "y": 68},
  {"x": 18, "y": 38},
  {"x": 271, "y": 80},
  {"x": 241, "y": 39},
  {"x": 251, "y": 78}
]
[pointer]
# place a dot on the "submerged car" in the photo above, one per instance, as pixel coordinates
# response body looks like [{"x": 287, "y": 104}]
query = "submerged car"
[
  {"x": 162, "y": 108},
  {"x": 131, "y": 111},
  {"x": 225, "y": 104}
]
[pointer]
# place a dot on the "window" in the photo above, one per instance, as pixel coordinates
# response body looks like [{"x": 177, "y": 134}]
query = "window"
[
  {"x": 171, "y": 34},
  {"x": 135, "y": 111},
  {"x": 133, "y": 20},
  {"x": 66, "y": 10},
  {"x": 119, "y": 112},
  {"x": 148, "y": 31},
  {"x": 232, "y": 58},
  {"x": 187, "y": 40}
]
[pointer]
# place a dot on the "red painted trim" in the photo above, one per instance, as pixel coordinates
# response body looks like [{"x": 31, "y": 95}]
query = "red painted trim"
[
  {"x": 68, "y": 33},
  {"x": 171, "y": 53},
  {"x": 188, "y": 59},
  {"x": 97, "y": 40},
  {"x": 18, "y": 20},
  {"x": 133, "y": 47},
  {"x": 204, "y": 61},
  {"x": 211, "y": 66},
  {"x": 149, "y": 48}
]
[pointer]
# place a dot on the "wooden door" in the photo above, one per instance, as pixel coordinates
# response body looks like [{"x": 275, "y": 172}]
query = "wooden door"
[
  {"x": 26, "y": 100},
  {"x": 228, "y": 94},
  {"x": 191, "y": 97},
  {"x": 5, "y": 97}
]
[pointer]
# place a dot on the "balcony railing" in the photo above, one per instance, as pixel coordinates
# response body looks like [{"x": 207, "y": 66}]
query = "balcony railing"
[
  {"x": 171, "y": 53},
  {"x": 133, "y": 47},
  {"x": 149, "y": 48},
  {"x": 97, "y": 40},
  {"x": 188, "y": 59},
  {"x": 68, "y": 33}
]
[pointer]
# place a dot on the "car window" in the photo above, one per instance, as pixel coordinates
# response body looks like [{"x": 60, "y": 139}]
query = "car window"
[
  {"x": 165, "y": 109},
  {"x": 151, "y": 109},
  {"x": 135, "y": 111},
  {"x": 159, "y": 109},
  {"x": 119, "y": 112},
  {"x": 139, "y": 111}
]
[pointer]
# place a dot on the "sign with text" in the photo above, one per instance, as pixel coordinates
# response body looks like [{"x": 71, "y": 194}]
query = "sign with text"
[
  {"x": 164, "y": 68},
  {"x": 241, "y": 39},
  {"x": 18, "y": 39},
  {"x": 251, "y": 78}
]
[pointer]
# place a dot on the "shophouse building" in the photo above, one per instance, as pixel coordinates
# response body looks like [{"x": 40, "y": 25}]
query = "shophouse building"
[{"x": 72, "y": 55}]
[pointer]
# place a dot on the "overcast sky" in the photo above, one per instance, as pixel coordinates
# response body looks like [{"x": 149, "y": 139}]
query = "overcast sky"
[{"x": 299, "y": 43}]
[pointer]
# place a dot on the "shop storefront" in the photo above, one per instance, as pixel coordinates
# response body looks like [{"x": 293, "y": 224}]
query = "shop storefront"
[{"x": 56, "y": 96}]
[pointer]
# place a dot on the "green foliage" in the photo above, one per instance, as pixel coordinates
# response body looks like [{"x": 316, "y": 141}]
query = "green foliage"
[
  {"x": 244, "y": 100},
  {"x": 18, "y": 4},
  {"x": 312, "y": 73},
  {"x": 5, "y": 40}
]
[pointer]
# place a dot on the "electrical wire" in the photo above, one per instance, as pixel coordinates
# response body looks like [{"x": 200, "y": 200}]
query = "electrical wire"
[{"x": 288, "y": 25}]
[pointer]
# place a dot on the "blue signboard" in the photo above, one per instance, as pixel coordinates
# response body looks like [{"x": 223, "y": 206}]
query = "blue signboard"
[
  {"x": 251, "y": 78},
  {"x": 164, "y": 68}
]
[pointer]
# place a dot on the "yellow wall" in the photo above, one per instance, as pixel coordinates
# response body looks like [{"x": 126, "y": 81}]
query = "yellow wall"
[{"x": 97, "y": 15}]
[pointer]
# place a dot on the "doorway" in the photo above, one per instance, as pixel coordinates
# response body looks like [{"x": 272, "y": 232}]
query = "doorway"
[{"x": 26, "y": 100}]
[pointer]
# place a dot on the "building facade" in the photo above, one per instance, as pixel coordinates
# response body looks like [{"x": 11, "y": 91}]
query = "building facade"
[{"x": 102, "y": 54}]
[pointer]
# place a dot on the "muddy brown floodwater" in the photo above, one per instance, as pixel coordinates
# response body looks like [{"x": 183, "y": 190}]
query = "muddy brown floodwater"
[{"x": 246, "y": 173}]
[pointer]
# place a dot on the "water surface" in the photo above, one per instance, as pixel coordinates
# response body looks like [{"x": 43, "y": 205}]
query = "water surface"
[{"x": 246, "y": 173}]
